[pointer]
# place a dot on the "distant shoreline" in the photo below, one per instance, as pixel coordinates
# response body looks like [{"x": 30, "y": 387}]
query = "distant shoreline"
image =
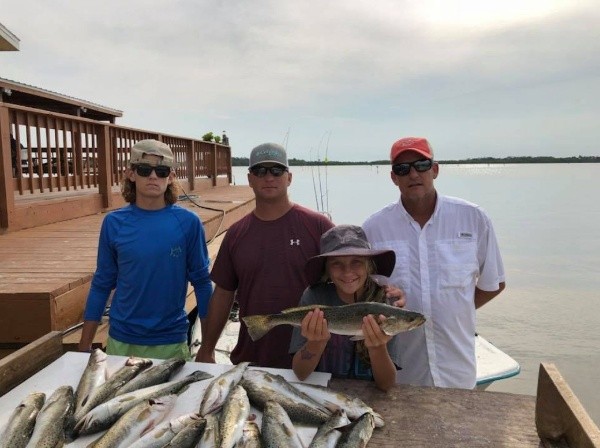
[{"x": 243, "y": 161}]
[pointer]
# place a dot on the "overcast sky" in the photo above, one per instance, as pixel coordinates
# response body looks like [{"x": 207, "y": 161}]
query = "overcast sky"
[{"x": 342, "y": 77}]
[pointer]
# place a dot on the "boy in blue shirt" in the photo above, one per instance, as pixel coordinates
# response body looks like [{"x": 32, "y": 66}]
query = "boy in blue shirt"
[{"x": 147, "y": 253}]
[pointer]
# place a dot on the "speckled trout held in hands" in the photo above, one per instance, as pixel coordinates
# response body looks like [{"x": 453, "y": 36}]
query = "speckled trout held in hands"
[{"x": 345, "y": 319}]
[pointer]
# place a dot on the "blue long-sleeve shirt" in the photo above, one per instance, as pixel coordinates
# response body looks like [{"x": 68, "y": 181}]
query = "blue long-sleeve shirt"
[{"x": 148, "y": 257}]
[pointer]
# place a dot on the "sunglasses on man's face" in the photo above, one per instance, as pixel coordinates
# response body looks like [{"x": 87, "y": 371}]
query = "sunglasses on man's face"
[
  {"x": 145, "y": 170},
  {"x": 261, "y": 171},
  {"x": 402, "y": 169}
]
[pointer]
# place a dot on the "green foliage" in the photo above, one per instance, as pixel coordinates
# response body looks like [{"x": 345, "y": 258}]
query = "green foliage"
[
  {"x": 217, "y": 138},
  {"x": 208, "y": 137}
]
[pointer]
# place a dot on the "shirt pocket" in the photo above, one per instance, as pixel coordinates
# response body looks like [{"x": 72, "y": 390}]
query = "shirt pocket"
[{"x": 458, "y": 265}]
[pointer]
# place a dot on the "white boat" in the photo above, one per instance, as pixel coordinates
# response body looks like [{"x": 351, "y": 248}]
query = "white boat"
[{"x": 492, "y": 363}]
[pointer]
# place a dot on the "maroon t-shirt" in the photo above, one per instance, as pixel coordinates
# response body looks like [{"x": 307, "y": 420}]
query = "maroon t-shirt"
[{"x": 264, "y": 262}]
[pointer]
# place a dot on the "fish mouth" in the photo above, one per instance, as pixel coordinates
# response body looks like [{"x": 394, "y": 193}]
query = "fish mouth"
[{"x": 416, "y": 323}]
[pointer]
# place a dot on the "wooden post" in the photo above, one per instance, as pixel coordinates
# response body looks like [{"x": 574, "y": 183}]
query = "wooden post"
[
  {"x": 77, "y": 149},
  {"x": 229, "y": 174},
  {"x": 559, "y": 416},
  {"x": 20, "y": 365},
  {"x": 7, "y": 195},
  {"x": 105, "y": 166},
  {"x": 190, "y": 162},
  {"x": 215, "y": 171}
]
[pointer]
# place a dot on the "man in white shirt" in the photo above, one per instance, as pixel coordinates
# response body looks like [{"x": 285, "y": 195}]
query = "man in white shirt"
[{"x": 448, "y": 264}]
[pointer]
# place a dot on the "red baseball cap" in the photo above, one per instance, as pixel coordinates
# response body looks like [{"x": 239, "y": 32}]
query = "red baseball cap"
[{"x": 417, "y": 144}]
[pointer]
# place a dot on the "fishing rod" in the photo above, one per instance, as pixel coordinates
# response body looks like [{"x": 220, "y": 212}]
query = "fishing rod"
[{"x": 321, "y": 208}]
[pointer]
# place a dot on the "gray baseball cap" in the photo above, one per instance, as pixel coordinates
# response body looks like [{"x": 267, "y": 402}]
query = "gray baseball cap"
[
  {"x": 268, "y": 153},
  {"x": 150, "y": 147}
]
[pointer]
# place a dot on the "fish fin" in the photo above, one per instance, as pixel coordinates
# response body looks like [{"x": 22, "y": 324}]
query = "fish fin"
[
  {"x": 183, "y": 389},
  {"x": 79, "y": 426},
  {"x": 357, "y": 337},
  {"x": 200, "y": 375},
  {"x": 149, "y": 427},
  {"x": 258, "y": 325},
  {"x": 304, "y": 308},
  {"x": 331, "y": 406}
]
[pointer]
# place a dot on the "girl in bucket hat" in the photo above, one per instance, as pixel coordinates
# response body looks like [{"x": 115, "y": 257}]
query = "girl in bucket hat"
[{"x": 341, "y": 275}]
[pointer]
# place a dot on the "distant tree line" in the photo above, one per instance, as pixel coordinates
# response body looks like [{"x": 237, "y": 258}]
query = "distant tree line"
[
  {"x": 527, "y": 159},
  {"x": 243, "y": 161}
]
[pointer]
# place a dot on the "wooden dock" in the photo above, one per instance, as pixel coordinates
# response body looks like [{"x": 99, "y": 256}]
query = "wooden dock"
[
  {"x": 438, "y": 417},
  {"x": 45, "y": 271}
]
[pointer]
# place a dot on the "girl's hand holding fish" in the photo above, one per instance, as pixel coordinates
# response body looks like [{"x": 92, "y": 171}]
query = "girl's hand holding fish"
[
  {"x": 315, "y": 331},
  {"x": 374, "y": 336},
  {"x": 314, "y": 327}
]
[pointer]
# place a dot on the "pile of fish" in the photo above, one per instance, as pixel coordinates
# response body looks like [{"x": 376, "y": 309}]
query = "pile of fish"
[{"x": 131, "y": 405}]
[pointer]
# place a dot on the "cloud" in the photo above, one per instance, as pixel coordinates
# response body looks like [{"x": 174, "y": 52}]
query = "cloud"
[{"x": 366, "y": 72}]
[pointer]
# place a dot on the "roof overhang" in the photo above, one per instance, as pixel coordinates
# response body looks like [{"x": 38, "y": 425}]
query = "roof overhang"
[
  {"x": 13, "y": 92},
  {"x": 8, "y": 41}
]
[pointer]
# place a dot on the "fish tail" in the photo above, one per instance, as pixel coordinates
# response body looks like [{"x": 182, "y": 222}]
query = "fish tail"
[{"x": 258, "y": 325}]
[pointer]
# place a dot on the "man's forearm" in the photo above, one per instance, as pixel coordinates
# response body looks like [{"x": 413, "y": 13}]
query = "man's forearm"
[
  {"x": 212, "y": 325},
  {"x": 88, "y": 332},
  {"x": 482, "y": 297}
]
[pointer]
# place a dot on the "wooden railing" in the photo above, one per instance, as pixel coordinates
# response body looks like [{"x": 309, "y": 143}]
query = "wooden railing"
[{"x": 45, "y": 153}]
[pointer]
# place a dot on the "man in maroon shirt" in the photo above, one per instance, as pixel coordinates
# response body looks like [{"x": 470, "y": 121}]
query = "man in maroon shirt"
[{"x": 261, "y": 261}]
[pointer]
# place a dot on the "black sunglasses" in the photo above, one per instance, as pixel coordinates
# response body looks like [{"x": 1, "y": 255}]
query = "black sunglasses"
[
  {"x": 261, "y": 171},
  {"x": 145, "y": 170},
  {"x": 402, "y": 169}
]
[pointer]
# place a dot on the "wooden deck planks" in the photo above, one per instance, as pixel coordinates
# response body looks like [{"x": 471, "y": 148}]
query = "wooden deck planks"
[
  {"x": 47, "y": 262},
  {"x": 437, "y": 417}
]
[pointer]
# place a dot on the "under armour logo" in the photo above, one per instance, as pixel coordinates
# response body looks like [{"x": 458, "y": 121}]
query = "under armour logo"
[{"x": 296, "y": 242}]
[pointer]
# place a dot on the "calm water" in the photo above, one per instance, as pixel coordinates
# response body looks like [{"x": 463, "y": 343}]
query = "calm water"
[{"x": 546, "y": 218}]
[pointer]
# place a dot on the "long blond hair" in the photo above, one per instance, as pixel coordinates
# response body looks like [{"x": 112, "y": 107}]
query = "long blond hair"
[{"x": 129, "y": 193}]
